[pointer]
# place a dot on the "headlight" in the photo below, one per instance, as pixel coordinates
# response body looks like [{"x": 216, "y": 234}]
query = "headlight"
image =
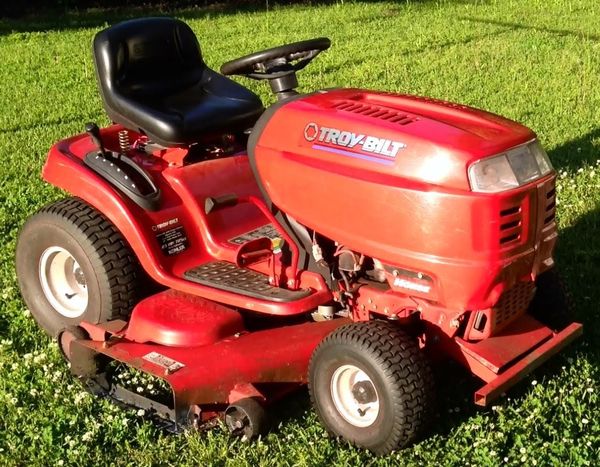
[
  {"x": 511, "y": 169},
  {"x": 540, "y": 157}
]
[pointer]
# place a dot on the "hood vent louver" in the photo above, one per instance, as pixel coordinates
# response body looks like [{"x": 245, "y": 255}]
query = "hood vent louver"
[
  {"x": 550, "y": 211},
  {"x": 510, "y": 225},
  {"x": 374, "y": 111}
]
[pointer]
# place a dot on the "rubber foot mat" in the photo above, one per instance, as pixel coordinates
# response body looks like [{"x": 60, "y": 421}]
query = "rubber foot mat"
[{"x": 227, "y": 276}]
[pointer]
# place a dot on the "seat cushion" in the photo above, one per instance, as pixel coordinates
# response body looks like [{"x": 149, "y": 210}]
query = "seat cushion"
[{"x": 153, "y": 80}]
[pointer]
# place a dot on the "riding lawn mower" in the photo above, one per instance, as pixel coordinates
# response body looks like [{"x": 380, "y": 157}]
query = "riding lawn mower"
[{"x": 340, "y": 238}]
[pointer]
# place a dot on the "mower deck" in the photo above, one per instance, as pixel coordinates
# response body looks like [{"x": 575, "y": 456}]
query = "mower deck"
[{"x": 207, "y": 375}]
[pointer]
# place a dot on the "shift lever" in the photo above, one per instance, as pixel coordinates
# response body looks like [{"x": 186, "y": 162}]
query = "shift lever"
[{"x": 94, "y": 132}]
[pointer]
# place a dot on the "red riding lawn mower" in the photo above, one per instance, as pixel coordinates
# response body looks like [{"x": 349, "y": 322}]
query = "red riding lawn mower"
[{"x": 339, "y": 238}]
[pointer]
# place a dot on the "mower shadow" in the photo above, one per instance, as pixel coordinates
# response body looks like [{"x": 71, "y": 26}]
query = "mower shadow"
[
  {"x": 578, "y": 254},
  {"x": 577, "y": 153},
  {"x": 578, "y": 249}
]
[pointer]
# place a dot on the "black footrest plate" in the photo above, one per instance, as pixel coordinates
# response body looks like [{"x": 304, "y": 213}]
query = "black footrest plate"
[{"x": 227, "y": 276}]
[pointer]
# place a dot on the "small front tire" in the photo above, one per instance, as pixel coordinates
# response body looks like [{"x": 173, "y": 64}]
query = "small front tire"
[{"x": 371, "y": 385}]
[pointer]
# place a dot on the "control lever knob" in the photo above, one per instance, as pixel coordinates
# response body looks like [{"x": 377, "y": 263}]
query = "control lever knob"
[{"x": 94, "y": 132}]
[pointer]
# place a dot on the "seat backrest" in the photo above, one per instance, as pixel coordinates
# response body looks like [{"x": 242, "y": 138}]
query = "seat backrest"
[{"x": 149, "y": 57}]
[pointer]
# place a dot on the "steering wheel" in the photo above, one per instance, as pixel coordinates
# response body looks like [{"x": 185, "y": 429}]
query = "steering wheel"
[{"x": 277, "y": 62}]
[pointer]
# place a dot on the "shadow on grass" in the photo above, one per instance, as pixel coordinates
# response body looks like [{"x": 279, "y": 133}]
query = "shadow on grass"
[
  {"x": 82, "y": 119},
  {"x": 59, "y": 20},
  {"x": 531, "y": 27},
  {"x": 578, "y": 256},
  {"x": 578, "y": 152},
  {"x": 440, "y": 46},
  {"x": 578, "y": 251},
  {"x": 96, "y": 18}
]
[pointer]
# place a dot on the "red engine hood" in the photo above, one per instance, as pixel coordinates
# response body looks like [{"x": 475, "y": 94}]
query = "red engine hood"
[{"x": 420, "y": 139}]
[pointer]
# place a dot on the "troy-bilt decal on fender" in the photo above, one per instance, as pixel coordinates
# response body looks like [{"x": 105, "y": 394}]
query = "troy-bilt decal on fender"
[
  {"x": 352, "y": 144},
  {"x": 171, "y": 237}
]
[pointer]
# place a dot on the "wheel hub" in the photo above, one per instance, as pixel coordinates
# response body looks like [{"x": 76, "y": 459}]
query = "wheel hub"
[
  {"x": 364, "y": 392},
  {"x": 354, "y": 396},
  {"x": 236, "y": 421},
  {"x": 63, "y": 282},
  {"x": 79, "y": 276}
]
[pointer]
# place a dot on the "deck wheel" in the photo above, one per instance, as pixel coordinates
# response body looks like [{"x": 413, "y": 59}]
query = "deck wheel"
[
  {"x": 246, "y": 418},
  {"x": 66, "y": 337}
]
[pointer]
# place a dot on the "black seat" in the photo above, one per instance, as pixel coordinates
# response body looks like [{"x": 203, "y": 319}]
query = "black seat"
[{"x": 153, "y": 80}]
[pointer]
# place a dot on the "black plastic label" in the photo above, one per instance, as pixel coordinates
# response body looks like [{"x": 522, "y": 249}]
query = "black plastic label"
[{"x": 173, "y": 241}]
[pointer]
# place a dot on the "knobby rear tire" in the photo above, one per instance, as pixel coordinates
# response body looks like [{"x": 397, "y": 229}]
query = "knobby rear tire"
[{"x": 110, "y": 269}]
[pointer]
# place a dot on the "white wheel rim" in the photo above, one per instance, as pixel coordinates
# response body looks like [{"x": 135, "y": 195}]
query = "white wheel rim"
[
  {"x": 354, "y": 396},
  {"x": 63, "y": 282}
]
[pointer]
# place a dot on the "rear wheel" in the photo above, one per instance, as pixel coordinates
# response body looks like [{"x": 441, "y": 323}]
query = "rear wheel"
[
  {"x": 371, "y": 385},
  {"x": 552, "y": 303},
  {"x": 73, "y": 265}
]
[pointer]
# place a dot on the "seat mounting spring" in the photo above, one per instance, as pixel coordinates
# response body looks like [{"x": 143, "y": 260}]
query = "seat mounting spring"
[{"x": 124, "y": 144}]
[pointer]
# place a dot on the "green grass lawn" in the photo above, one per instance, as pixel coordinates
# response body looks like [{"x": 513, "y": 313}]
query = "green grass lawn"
[{"x": 537, "y": 62}]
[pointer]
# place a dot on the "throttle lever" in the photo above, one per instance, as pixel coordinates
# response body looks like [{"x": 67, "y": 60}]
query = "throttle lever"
[{"x": 94, "y": 132}]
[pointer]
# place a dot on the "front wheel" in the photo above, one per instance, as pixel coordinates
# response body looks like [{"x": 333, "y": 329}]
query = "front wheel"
[
  {"x": 73, "y": 265},
  {"x": 371, "y": 385}
]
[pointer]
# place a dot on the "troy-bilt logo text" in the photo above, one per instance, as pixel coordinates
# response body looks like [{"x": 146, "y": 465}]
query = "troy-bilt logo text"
[{"x": 350, "y": 140}]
